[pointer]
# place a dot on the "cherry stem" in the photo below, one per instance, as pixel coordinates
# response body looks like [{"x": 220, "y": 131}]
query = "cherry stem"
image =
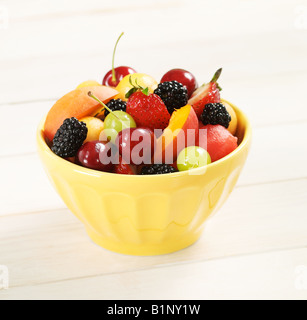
[
  {"x": 113, "y": 69},
  {"x": 216, "y": 75},
  {"x": 90, "y": 94}
]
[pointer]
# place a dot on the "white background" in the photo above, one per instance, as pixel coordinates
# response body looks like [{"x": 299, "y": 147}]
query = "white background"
[{"x": 256, "y": 246}]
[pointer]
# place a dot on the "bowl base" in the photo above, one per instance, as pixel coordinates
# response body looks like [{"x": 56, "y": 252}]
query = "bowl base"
[{"x": 143, "y": 249}]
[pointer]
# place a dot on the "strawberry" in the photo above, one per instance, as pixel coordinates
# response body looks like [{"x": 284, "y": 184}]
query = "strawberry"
[
  {"x": 207, "y": 93},
  {"x": 124, "y": 168},
  {"x": 148, "y": 110}
]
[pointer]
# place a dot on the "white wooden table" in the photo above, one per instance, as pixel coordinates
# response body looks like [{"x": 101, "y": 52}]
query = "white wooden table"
[{"x": 256, "y": 246}]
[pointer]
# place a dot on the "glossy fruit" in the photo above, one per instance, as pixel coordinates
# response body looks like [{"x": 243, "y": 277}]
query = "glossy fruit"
[
  {"x": 115, "y": 122},
  {"x": 215, "y": 113},
  {"x": 71, "y": 159},
  {"x": 146, "y": 215},
  {"x": 207, "y": 93},
  {"x": 115, "y": 75},
  {"x": 192, "y": 157},
  {"x": 115, "y": 105},
  {"x": 234, "y": 121},
  {"x": 75, "y": 104},
  {"x": 219, "y": 142},
  {"x": 181, "y": 132},
  {"x": 157, "y": 169},
  {"x": 148, "y": 110},
  {"x": 94, "y": 126},
  {"x": 141, "y": 79},
  {"x": 89, "y": 83},
  {"x": 120, "y": 73},
  {"x": 183, "y": 76},
  {"x": 69, "y": 138},
  {"x": 124, "y": 168},
  {"x": 173, "y": 94},
  {"x": 97, "y": 155},
  {"x": 136, "y": 145}
]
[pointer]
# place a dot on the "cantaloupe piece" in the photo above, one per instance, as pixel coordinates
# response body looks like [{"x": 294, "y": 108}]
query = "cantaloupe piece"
[{"x": 234, "y": 121}]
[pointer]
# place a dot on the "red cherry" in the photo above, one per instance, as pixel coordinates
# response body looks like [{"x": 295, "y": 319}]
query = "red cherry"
[
  {"x": 120, "y": 73},
  {"x": 183, "y": 76},
  {"x": 97, "y": 155},
  {"x": 136, "y": 145},
  {"x": 124, "y": 168},
  {"x": 115, "y": 75}
]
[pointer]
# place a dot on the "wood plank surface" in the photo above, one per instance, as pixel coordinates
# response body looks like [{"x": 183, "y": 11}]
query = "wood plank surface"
[
  {"x": 255, "y": 247},
  {"x": 56, "y": 247},
  {"x": 228, "y": 278}
]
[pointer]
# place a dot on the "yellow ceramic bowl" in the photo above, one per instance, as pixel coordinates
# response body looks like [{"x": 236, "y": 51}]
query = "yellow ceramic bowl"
[{"x": 146, "y": 215}]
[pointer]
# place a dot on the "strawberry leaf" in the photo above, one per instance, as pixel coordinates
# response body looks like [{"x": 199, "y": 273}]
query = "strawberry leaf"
[
  {"x": 130, "y": 92},
  {"x": 216, "y": 75},
  {"x": 146, "y": 91}
]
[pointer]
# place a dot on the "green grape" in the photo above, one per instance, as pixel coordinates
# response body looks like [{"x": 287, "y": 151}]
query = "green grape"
[
  {"x": 115, "y": 122},
  {"x": 192, "y": 157}
]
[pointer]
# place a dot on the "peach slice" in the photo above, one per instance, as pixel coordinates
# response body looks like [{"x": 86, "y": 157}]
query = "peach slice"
[
  {"x": 89, "y": 83},
  {"x": 76, "y": 104},
  {"x": 181, "y": 132}
]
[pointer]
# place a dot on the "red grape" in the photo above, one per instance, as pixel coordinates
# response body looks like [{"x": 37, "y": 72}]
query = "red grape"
[
  {"x": 97, "y": 155},
  {"x": 183, "y": 76},
  {"x": 136, "y": 145}
]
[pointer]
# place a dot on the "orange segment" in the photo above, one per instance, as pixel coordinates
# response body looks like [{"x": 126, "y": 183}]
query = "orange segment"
[
  {"x": 167, "y": 147},
  {"x": 177, "y": 121}
]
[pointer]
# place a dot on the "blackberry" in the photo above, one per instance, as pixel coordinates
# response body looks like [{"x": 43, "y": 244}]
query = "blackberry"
[
  {"x": 115, "y": 105},
  {"x": 173, "y": 94},
  {"x": 158, "y": 169},
  {"x": 215, "y": 113},
  {"x": 69, "y": 138}
]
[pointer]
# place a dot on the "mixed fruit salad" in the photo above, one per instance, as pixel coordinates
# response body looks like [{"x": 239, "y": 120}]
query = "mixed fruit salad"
[{"x": 130, "y": 124}]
